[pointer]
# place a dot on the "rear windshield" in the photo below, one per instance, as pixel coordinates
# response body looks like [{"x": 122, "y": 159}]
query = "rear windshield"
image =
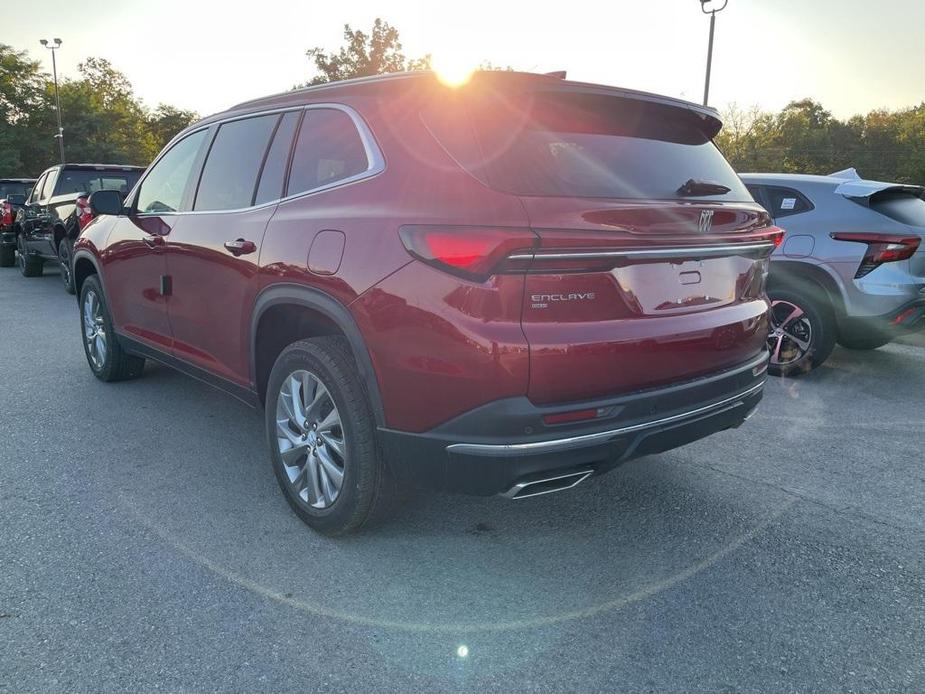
[
  {"x": 588, "y": 145},
  {"x": 89, "y": 181},
  {"x": 11, "y": 188},
  {"x": 901, "y": 207}
]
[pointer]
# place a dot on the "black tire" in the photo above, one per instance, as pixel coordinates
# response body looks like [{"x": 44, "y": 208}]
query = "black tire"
[
  {"x": 7, "y": 256},
  {"x": 65, "y": 253},
  {"x": 360, "y": 496},
  {"x": 864, "y": 342},
  {"x": 817, "y": 314},
  {"x": 115, "y": 364},
  {"x": 28, "y": 265}
]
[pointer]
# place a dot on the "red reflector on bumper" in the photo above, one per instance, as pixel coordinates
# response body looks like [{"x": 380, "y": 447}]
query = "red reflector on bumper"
[{"x": 564, "y": 417}]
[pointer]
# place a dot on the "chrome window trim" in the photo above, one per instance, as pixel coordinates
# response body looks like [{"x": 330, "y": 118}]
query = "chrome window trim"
[
  {"x": 374, "y": 158},
  {"x": 653, "y": 253},
  {"x": 552, "y": 445}
]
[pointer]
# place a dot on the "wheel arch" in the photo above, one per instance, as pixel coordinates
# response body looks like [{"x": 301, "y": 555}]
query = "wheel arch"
[
  {"x": 786, "y": 273},
  {"x": 317, "y": 314},
  {"x": 85, "y": 264}
]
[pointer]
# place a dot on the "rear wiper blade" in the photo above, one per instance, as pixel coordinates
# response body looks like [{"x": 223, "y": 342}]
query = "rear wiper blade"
[{"x": 697, "y": 187}]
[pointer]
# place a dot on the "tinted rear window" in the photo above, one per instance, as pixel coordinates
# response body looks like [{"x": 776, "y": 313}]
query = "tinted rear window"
[
  {"x": 328, "y": 149},
  {"x": 76, "y": 181},
  {"x": 11, "y": 188},
  {"x": 586, "y": 145},
  {"x": 902, "y": 207}
]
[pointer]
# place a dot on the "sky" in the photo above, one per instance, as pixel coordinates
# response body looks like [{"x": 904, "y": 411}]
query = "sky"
[{"x": 851, "y": 55}]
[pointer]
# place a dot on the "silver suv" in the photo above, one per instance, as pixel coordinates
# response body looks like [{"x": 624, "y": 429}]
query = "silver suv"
[{"x": 851, "y": 269}]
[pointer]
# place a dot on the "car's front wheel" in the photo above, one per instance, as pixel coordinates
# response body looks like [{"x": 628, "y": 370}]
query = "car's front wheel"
[
  {"x": 321, "y": 433},
  {"x": 801, "y": 330},
  {"x": 107, "y": 359},
  {"x": 64, "y": 262}
]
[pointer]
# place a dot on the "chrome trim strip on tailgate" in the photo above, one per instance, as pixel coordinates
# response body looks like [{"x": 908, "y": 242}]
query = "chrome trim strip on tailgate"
[
  {"x": 654, "y": 253},
  {"x": 550, "y": 446}
]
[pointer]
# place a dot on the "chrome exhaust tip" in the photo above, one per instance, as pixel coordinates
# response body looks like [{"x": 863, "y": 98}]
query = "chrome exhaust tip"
[{"x": 547, "y": 485}]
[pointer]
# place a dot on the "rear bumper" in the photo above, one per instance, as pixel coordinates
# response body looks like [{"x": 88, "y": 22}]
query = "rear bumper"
[
  {"x": 909, "y": 317},
  {"x": 495, "y": 447}
]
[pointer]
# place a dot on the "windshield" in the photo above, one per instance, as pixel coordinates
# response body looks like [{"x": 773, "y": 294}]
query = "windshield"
[
  {"x": 8, "y": 188},
  {"x": 589, "y": 145},
  {"x": 90, "y": 181}
]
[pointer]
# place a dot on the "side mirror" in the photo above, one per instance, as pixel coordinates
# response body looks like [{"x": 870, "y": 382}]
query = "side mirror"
[
  {"x": 16, "y": 199},
  {"x": 106, "y": 202}
]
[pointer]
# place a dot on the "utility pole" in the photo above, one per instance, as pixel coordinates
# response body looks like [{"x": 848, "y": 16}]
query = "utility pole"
[
  {"x": 54, "y": 70},
  {"x": 712, "y": 12}
]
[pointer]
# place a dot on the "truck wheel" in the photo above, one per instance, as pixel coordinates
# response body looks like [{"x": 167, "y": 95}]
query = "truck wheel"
[
  {"x": 65, "y": 252},
  {"x": 7, "y": 256},
  {"x": 29, "y": 266},
  {"x": 107, "y": 359},
  {"x": 321, "y": 433},
  {"x": 801, "y": 330}
]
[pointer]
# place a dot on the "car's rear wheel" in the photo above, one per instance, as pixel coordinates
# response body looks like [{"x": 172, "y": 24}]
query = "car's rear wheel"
[
  {"x": 864, "y": 342},
  {"x": 7, "y": 256},
  {"x": 321, "y": 433},
  {"x": 28, "y": 265},
  {"x": 801, "y": 331},
  {"x": 64, "y": 262},
  {"x": 107, "y": 359}
]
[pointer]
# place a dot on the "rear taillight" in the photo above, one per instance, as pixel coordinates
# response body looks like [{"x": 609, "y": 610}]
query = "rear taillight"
[
  {"x": 84, "y": 213},
  {"x": 881, "y": 248},
  {"x": 6, "y": 214},
  {"x": 472, "y": 252}
]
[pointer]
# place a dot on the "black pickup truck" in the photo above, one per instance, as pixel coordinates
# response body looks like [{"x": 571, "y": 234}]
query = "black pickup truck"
[
  {"x": 58, "y": 209},
  {"x": 13, "y": 194}
]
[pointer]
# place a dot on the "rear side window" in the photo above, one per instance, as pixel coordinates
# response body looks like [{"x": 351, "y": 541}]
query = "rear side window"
[
  {"x": 229, "y": 177},
  {"x": 274, "y": 168},
  {"x": 588, "y": 145},
  {"x": 328, "y": 149},
  {"x": 164, "y": 186},
  {"x": 901, "y": 207},
  {"x": 784, "y": 202}
]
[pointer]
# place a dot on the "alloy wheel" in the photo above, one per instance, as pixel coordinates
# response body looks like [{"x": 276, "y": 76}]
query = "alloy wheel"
[
  {"x": 94, "y": 330},
  {"x": 310, "y": 439},
  {"x": 791, "y": 333}
]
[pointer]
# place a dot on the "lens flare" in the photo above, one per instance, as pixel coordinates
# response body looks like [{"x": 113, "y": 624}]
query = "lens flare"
[{"x": 452, "y": 70}]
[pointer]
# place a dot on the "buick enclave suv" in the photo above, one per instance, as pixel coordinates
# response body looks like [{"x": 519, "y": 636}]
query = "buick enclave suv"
[{"x": 504, "y": 287}]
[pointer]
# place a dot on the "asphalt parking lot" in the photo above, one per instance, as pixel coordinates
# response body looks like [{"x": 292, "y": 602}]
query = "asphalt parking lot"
[{"x": 144, "y": 545}]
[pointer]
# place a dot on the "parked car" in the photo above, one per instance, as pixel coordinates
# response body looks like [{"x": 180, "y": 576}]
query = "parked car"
[
  {"x": 13, "y": 193},
  {"x": 852, "y": 268},
  {"x": 501, "y": 288},
  {"x": 58, "y": 209}
]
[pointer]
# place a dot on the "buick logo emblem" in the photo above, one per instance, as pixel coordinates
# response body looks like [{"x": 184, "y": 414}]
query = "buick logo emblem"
[{"x": 706, "y": 221}]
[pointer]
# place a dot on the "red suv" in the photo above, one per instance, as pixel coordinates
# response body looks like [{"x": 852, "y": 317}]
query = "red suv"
[{"x": 504, "y": 287}]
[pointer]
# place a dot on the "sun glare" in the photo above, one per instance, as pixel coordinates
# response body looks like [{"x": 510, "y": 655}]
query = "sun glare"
[{"x": 452, "y": 70}]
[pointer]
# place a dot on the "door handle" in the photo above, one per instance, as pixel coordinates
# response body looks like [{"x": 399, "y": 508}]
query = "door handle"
[
  {"x": 153, "y": 241},
  {"x": 240, "y": 247}
]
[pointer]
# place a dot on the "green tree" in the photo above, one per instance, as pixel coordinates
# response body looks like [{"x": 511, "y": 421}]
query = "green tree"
[
  {"x": 364, "y": 55},
  {"x": 166, "y": 121},
  {"x": 22, "y": 85}
]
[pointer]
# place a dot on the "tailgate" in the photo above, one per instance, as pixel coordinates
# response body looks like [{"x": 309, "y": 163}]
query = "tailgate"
[{"x": 622, "y": 297}]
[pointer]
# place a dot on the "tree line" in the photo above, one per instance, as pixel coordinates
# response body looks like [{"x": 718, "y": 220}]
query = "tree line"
[
  {"x": 105, "y": 122},
  {"x": 805, "y": 138}
]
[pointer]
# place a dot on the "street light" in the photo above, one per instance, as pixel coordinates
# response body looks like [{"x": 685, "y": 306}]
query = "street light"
[
  {"x": 54, "y": 70},
  {"x": 707, "y": 7}
]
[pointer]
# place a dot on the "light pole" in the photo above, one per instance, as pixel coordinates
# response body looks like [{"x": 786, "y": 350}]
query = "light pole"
[
  {"x": 54, "y": 70},
  {"x": 711, "y": 10}
]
